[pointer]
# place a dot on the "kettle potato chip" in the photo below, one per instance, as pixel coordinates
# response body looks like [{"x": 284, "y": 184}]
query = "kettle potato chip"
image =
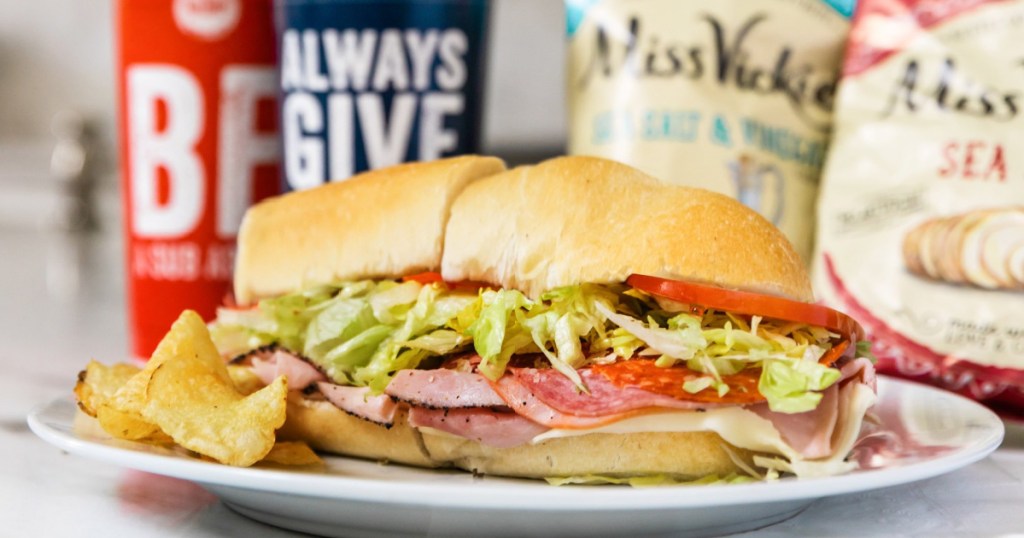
[
  {"x": 127, "y": 425},
  {"x": 98, "y": 382},
  {"x": 246, "y": 381},
  {"x": 121, "y": 414},
  {"x": 205, "y": 414},
  {"x": 187, "y": 394},
  {"x": 292, "y": 453}
]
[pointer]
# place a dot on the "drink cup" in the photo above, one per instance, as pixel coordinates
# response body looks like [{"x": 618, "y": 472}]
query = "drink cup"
[
  {"x": 197, "y": 89},
  {"x": 367, "y": 84}
]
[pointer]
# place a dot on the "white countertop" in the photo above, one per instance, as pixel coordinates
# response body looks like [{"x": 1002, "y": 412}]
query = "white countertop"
[{"x": 50, "y": 327}]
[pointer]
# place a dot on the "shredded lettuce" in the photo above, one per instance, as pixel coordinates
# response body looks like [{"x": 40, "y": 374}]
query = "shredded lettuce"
[
  {"x": 431, "y": 311},
  {"x": 342, "y": 361},
  {"x": 336, "y": 324},
  {"x": 618, "y": 341},
  {"x": 556, "y": 325},
  {"x": 363, "y": 332},
  {"x": 439, "y": 342},
  {"x": 237, "y": 331},
  {"x": 496, "y": 332},
  {"x": 357, "y": 332},
  {"x": 722, "y": 344},
  {"x": 571, "y": 315},
  {"x": 580, "y": 305},
  {"x": 679, "y": 343},
  {"x": 698, "y": 384},
  {"x": 390, "y": 303},
  {"x": 791, "y": 386}
]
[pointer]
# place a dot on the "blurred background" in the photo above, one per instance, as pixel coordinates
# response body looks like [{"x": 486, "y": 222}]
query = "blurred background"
[
  {"x": 59, "y": 189},
  {"x": 62, "y": 255}
]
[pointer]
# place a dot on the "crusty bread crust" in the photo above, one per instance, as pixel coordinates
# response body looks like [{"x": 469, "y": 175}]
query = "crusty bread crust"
[
  {"x": 383, "y": 223},
  {"x": 584, "y": 219},
  {"x": 327, "y": 428},
  {"x": 684, "y": 455}
]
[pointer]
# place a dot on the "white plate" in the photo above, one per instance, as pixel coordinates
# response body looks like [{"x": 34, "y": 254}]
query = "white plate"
[{"x": 923, "y": 432}]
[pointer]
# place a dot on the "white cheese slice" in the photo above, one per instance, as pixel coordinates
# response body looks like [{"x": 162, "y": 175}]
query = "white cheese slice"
[{"x": 745, "y": 429}]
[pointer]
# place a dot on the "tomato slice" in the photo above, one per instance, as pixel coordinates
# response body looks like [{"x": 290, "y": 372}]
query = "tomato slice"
[
  {"x": 749, "y": 303},
  {"x": 431, "y": 277},
  {"x": 428, "y": 277}
]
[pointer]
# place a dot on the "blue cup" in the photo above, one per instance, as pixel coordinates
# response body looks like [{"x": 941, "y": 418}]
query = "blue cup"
[{"x": 372, "y": 83}]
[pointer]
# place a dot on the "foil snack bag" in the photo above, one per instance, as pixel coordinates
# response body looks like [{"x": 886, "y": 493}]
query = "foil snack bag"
[
  {"x": 733, "y": 96},
  {"x": 921, "y": 216}
]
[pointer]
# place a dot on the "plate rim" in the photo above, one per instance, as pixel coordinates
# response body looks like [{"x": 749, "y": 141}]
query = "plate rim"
[{"x": 499, "y": 493}]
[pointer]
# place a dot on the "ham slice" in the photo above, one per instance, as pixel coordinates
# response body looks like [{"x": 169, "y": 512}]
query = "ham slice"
[
  {"x": 359, "y": 402},
  {"x": 524, "y": 402},
  {"x": 500, "y": 429},
  {"x": 443, "y": 388},
  {"x": 299, "y": 372},
  {"x": 809, "y": 433},
  {"x": 861, "y": 368}
]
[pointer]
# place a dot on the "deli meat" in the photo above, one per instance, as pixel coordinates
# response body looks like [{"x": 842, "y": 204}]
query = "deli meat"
[
  {"x": 500, "y": 429},
  {"x": 524, "y": 402},
  {"x": 443, "y": 388},
  {"x": 809, "y": 433},
  {"x": 862, "y": 368},
  {"x": 300, "y": 373},
  {"x": 812, "y": 433},
  {"x": 604, "y": 397},
  {"x": 359, "y": 402}
]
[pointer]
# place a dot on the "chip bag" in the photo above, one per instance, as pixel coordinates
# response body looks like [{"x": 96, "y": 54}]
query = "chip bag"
[
  {"x": 733, "y": 96},
  {"x": 921, "y": 216}
]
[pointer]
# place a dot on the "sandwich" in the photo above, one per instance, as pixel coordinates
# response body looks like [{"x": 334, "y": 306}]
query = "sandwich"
[{"x": 575, "y": 320}]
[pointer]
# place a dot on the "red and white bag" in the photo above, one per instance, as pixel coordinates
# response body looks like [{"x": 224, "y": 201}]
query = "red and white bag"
[{"x": 921, "y": 215}]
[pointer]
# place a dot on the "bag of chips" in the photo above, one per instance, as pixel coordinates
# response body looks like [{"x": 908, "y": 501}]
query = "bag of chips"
[
  {"x": 733, "y": 96},
  {"x": 921, "y": 216}
]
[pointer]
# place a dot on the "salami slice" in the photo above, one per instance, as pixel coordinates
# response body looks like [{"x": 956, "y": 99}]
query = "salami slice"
[
  {"x": 523, "y": 401},
  {"x": 643, "y": 375},
  {"x": 604, "y": 396}
]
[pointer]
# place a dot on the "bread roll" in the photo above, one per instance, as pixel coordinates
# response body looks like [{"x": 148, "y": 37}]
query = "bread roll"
[
  {"x": 327, "y": 428},
  {"x": 684, "y": 455},
  {"x": 384, "y": 223},
  {"x": 584, "y": 219}
]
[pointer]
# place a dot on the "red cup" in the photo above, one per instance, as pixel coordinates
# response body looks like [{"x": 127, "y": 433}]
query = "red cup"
[{"x": 197, "y": 89}]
